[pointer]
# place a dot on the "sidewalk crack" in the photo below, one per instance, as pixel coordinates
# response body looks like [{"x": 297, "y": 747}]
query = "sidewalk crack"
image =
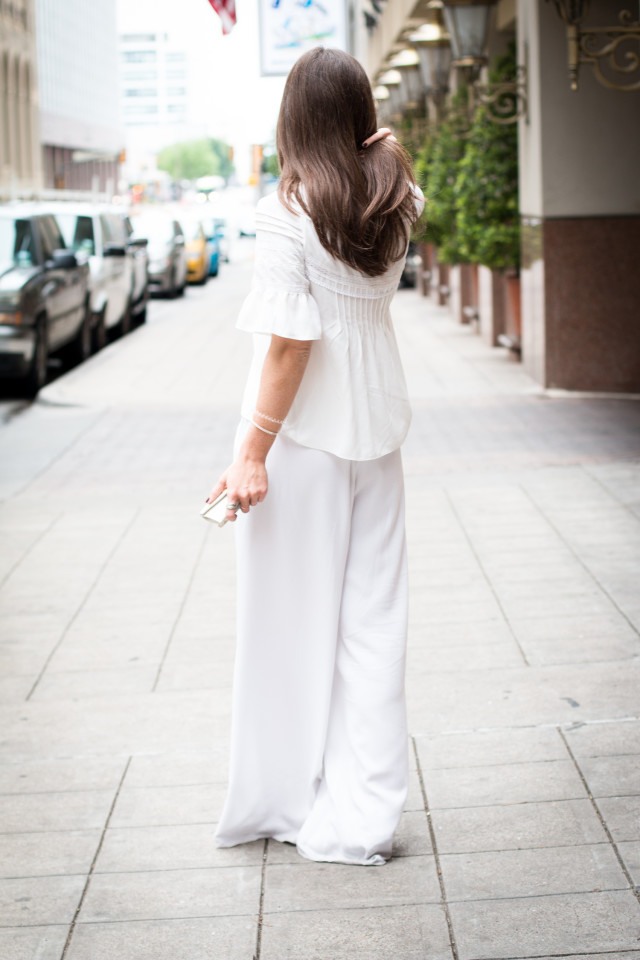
[
  {"x": 443, "y": 893},
  {"x": 265, "y": 851},
  {"x": 487, "y": 578},
  {"x": 93, "y": 862},
  {"x": 83, "y": 602},
  {"x": 634, "y": 889}
]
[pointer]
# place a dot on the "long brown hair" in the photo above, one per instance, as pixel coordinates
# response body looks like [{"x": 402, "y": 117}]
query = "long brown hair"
[{"x": 360, "y": 200}]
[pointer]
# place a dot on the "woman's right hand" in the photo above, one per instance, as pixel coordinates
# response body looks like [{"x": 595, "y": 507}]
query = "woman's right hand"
[{"x": 246, "y": 484}]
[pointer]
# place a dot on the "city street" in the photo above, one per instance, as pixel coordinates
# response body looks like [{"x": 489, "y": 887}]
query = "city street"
[{"x": 521, "y": 836}]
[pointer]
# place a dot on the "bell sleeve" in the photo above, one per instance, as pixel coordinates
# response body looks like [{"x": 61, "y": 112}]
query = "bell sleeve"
[{"x": 279, "y": 301}]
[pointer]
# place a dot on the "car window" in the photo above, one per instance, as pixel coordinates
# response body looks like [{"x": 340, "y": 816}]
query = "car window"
[
  {"x": 116, "y": 229},
  {"x": 53, "y": 230},
  {"x": 127, "y": 226},
  {"x": 77, "y": 232},
  {"x": 16, "y": 242},
  {"x": 177, "y": 229},
  {"x": 46, "y": 241}
]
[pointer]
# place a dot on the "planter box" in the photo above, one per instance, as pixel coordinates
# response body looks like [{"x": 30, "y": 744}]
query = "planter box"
[
  {"x": 426, "y": 278},
  {"x": 491, "y": 305}
]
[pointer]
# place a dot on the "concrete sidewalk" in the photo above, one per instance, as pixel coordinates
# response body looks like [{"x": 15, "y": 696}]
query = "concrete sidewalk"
[{"x": 521, "y": 836}]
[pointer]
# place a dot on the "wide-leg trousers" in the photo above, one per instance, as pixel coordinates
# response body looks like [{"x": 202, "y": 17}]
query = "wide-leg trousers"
[{"x": 318, "y": 734}]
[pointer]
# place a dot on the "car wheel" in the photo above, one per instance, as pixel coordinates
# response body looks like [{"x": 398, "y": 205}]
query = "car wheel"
[
  {"x": 125, "y": 323},
  {"x": 80, "y": 347},
  {"x": 37, "y": 375},
  {"x": 100, "y": 336}
]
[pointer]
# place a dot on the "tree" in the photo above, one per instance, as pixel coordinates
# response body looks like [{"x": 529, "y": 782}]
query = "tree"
[
  {"x": 196, "y": 158},
  {"x": 487, "y": 215}
]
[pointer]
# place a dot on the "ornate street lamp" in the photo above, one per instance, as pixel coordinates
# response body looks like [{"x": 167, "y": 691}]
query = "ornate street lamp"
[
  {"x": 391, "y": 79},
  {"x": 468, "y": 26},
  {"x": 434, "y": 55},
  {"x": 406, "y": 63},
  {"x": 600, "y": 46}
]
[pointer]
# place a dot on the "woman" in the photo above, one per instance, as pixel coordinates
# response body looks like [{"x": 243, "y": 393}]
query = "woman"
[{"x": 319, "y": 739}]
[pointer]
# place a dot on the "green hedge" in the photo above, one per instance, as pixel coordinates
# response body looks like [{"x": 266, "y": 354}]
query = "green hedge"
[{"x": 471, "y": 184}]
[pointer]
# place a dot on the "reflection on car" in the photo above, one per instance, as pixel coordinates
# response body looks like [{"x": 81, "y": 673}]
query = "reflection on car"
[
  {"x": 167, "y": 252},
  {"x": 44, "y": 296}
]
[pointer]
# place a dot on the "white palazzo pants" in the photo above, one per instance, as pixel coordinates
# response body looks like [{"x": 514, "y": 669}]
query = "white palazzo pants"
[{"x": 319, "y": 736}]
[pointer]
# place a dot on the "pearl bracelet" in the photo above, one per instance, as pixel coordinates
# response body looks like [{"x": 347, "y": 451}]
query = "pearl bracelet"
[
  {"x": 258, "y": 427},
  {"x": 265, "y": 416}
]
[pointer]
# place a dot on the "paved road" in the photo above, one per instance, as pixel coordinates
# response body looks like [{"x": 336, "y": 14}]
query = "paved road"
[{"x": 521, "y": 836}]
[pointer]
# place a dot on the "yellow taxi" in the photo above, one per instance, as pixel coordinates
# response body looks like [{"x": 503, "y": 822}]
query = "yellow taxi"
[{"x": 197, "y": 252}]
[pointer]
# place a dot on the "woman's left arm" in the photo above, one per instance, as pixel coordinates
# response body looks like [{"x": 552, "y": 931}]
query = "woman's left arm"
[{"x": 246, "y": 479}]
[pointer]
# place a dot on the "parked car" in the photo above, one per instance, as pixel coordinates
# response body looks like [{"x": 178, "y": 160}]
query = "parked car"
[
  {"x": 413, "y": 263},
  {"x": 44, "y": 296},
  {"x": 218, "y": 243},
  {"x": 167, "y": 250},
  {"x": 98, "y": 234},
  {"x": 138, "y": 247},
  {"x": 197, "y": 252}
]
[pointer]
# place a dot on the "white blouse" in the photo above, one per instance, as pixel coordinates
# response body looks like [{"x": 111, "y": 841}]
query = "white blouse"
[{"x": 352, "y": 400}]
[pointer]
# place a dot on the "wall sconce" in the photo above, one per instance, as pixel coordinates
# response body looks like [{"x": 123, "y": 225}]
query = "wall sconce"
[
  {"x": 468, "y": 26},
  {"x": 600, "y": 45},
  {"x": 391, "y": 80},
  {"x": 434, "y": 55},
  {"x": 406, "y": 63}
]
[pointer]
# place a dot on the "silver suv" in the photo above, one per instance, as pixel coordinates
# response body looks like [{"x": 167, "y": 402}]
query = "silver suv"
[{"x": 99, "y": 234}]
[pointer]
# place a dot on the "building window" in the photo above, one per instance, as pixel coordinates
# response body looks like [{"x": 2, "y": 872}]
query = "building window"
[
  {"x": 141, "y": 92},
  {"x": 176, "y": 92},
  {"x": 139, "y": 56},
  {"x": 138, "y": 38},
  {"x": 172, "y": 56},
  {"x": 141, "y": 108},
  {"x": 176, "y": 74},
  {"x": 140, "y": 75}
]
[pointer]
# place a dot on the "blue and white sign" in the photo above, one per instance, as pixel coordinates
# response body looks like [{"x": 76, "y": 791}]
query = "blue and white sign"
[{"x": 288, "y": 28}]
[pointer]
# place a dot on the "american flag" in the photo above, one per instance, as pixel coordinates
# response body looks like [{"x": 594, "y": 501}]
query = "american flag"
[{"x": 226, "y": 10}]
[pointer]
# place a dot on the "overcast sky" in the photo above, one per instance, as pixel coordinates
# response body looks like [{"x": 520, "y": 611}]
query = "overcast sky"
[{"x": 235, "y": 103}]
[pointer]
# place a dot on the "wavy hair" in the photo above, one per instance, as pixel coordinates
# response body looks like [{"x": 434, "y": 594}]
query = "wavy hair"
[{"x": 361, "y": 200}]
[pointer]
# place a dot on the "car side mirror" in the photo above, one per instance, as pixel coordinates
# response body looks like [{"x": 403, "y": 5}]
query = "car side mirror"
[
  {"x": 180, "y": 240},
  {"x": 63, "y": 260},
  {"x": 114, "y": 250},
  {"x": 137, "y": 242}
]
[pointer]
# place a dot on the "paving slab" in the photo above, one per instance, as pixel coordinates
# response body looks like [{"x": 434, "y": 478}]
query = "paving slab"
[
  {"x": 612, "y": 776},
  {"x": 172, "y": 894},
  {"x": 42, "y": 854},
  {"x": 233, "y": 938},
  {"x": 57, "y": 774},
  {"x": 322, "y": 886},
  {"x": 503, "y": 783},
  {"x": 413, "y": 932},
  {"x": 173, "y": 847},
  {"x": 570, "y": 924},
  {"x": 622, "y": 816},
  {"x": 481, "y": 747},
  {"x": 66, "y": 810},
  {"x": 33, "y": 943},
  {"x": 504, "y": 874},
  {"x": 149, "y": 806},
  {"x": 180, "y": 769},
  {"x": 604, "y": 739},
  {"x": 34, "y": 901},
  {"x": 517, "y": 826}
]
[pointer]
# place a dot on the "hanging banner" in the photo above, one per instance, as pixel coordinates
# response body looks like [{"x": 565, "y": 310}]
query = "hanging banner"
[{"x": 288, "y": 28}]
